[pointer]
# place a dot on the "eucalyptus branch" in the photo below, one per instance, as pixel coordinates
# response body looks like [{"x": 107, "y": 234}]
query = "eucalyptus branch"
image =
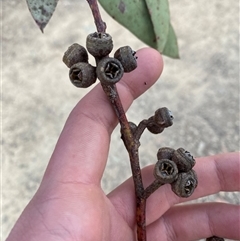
[
  {"x": 132, "y": 147},
  {"x": 173, "y": 166},
  {"x": 153, "y": 187},
  {"x": 100, "y": 25}
]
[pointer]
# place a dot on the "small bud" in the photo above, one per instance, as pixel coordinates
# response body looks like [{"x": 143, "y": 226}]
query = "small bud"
[
  {"x": 185, "y": 184},
  {"x": 109, "y": 70},
  {"x": 99, "y": 44},
  {"x": 82, "y": 75},
  {"x": 127, "y": 58},
  {"x": 74, "y": 54},
  {"x": 184, "y": 160},
  {"x": 165, "y": 170},
  {"x": 165, "y": 153},
  {"x": 133, "y": 127}
]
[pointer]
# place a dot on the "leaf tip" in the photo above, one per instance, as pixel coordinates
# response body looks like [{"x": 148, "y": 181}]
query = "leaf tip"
[
  {"x": 41, "y": 11},
  {"x": 41, "y": 25},
  {"x": 177, "y": 56}
]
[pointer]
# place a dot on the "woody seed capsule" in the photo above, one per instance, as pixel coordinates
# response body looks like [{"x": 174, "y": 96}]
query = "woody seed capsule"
[
  {"x": 165, "y": 170},
  {"x": 185, "y": 184},
  {"x": 183, "y": 159},
  {"x": 82, "y": 75},
  {"x": 74, "y": 54},
  {"x": 99, "y": 44},
  {"x": 127, "y": 58},
  {"x": 153, "y": 127},
  {"x": 165, "y": 153},
  {"x": 109, "y": 70},
  {"x": 163, "y": 116}
]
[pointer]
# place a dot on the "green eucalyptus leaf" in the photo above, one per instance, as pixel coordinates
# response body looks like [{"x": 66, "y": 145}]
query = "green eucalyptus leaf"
[
  {"x": 42, "y": 11},
  {"x": 171, "y": 47},
  {"x": 160, "y": 17},
  {"x": 134, "y": 15},
  {"x": 149, "y": 20}
]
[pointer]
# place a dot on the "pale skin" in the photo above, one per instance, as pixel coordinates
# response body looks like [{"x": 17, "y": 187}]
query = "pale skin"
[{"x": 70, "y": 204}]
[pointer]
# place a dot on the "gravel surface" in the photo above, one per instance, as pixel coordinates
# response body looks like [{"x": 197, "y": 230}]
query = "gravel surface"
[{"x": 201, "y": 89}]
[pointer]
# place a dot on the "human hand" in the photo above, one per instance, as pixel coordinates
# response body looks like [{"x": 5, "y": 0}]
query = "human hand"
[{"x": 70, "y": 204}]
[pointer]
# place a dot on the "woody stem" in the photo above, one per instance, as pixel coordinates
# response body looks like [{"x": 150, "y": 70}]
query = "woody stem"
[
  {"x": 100, "y": 25},
  {"x": 131, "y": 145}
]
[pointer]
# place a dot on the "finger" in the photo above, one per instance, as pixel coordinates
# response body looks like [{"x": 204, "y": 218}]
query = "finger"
[
  {"x": 81, "y": 152},
  {"x": 215, "y": 173},
  {"x": 194, "y": 222}
]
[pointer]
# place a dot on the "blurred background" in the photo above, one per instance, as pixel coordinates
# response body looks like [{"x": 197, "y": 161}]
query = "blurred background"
[{"x": 201, "y": 89}]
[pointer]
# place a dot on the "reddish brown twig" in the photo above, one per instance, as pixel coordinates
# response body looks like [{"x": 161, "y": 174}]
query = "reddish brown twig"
[
  {"x": 131, "y": 145},
  {"x": 100, "y": 25}
]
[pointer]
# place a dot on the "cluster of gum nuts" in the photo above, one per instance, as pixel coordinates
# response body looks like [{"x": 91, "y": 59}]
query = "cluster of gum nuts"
[
  {"x": 108, "y": 70},
  {"x": 175, "y": 167}
]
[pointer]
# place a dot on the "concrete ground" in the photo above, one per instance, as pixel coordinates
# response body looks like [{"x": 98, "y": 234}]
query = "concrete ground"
[{"x": 201, "y": 89}]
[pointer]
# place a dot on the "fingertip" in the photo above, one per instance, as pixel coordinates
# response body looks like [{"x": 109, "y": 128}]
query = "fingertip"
[
  {"x": 152, "y": 61},
  {"x": 149, "y": 69}
]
